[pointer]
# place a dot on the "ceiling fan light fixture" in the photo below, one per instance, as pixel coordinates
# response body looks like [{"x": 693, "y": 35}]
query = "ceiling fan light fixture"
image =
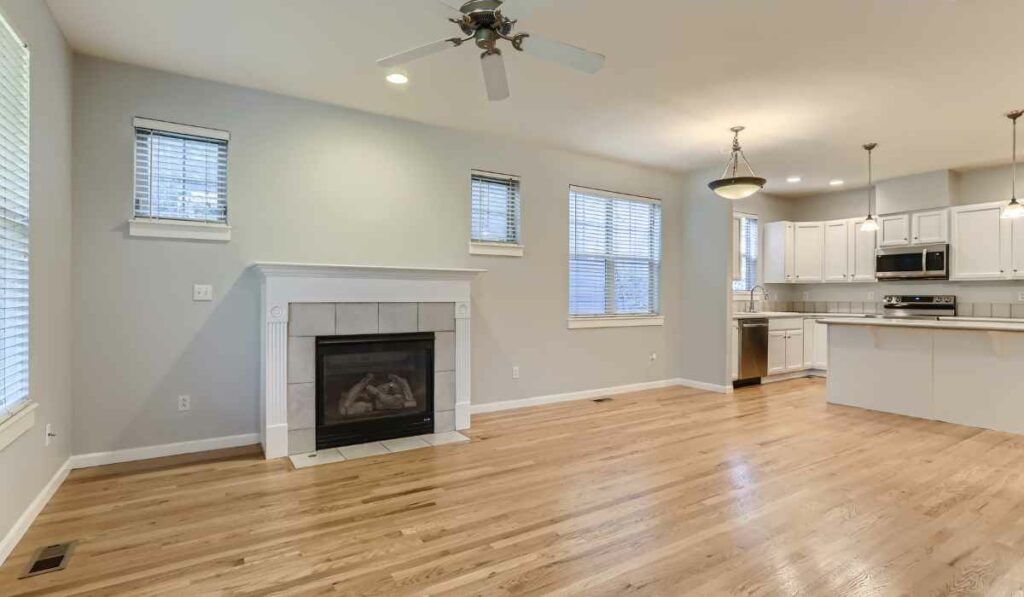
[
  {"x": 1014, "y": 209},
  {"x": 731, "y": 186}
]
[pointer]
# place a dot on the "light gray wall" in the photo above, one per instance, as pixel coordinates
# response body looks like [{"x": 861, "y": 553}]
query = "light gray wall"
[
  {"x": 315, "y": 183},
  {"x": 27, "y": 465}
]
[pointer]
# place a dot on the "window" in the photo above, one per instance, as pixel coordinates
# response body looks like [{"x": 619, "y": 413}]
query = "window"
[
  {"x": 494, "y": 214},
  {"x": 614, "y": 255},
  {"x": 748, "y": 243},
  {"x": 14, "y": 218},
  {"x": 181, "y": 180}
]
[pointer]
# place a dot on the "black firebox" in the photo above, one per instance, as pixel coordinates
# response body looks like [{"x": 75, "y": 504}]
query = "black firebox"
[{"x": 373, "y": 387}]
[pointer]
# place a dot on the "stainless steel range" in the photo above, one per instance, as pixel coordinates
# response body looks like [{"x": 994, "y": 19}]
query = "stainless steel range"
[{"x": 919, "y": 306}]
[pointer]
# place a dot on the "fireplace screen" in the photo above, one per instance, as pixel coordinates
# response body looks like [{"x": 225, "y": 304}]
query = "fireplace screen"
[{"x": 374, "y": 387}]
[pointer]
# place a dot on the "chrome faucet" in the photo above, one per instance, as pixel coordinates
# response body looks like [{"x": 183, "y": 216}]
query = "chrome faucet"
[{"x": 764, "y": 293}]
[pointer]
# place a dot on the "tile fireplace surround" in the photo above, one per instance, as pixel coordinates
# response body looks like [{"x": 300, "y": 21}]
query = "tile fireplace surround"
[{"x": 310, "y": 292}]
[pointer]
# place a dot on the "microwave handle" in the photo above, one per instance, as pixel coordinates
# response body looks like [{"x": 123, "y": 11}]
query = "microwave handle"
[{"x": 924, "y": 261}]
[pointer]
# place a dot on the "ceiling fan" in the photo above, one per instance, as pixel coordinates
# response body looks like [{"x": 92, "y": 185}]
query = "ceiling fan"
[{"x": 488, "y": 22}]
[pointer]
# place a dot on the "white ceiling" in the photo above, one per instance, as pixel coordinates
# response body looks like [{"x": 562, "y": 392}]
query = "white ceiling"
[{"x": 811, "y": 79}]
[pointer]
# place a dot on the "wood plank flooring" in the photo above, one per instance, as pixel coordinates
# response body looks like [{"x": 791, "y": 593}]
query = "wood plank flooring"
[{"x": 668, "y": 492}]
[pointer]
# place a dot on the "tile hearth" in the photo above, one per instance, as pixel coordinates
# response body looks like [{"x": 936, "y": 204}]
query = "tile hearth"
[{"x": 391, "y": 446}]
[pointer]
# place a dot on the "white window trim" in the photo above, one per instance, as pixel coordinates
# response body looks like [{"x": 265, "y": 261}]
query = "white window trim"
[
  {"x": 478, "y": 247},
  {"x": 14, "y": 425},
  {"x": 745, "y": 294},
  {"x": 615, "y": 321},
  {"x": 178, "y": 229}
]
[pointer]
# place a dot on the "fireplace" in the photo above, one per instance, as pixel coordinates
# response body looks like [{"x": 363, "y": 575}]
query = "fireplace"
[{"x": 373, "y": 387}]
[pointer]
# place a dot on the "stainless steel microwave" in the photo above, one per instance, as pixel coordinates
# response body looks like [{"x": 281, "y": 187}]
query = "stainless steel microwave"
[{"x": 921, "y": 262}]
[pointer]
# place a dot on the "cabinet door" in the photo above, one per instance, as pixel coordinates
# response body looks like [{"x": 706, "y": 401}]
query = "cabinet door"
[
  {"x": 894, "y": 230},
  {"x": 795, "y": 350},
  {"x": 735, "y": 350},
  {"x": 862, "y": 253},
  {"x": 790, "y": 252},
  {"x": 778, "y": 252},
  {"x": 808, "y": 251},
  {"x": 837, "y": 251},
  {"x": 981, "y": 244},
  {"x": 820, "y": 358},
  {"x": 809, "y": 343},
  {"x": 930, "y": 227},
  {"x": 776, "y": 352},
  {"x": 1017, "y": 241}
]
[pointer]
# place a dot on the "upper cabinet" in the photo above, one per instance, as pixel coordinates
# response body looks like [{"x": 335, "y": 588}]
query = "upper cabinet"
[
  {"x": 862, "y": 253},
  {"x": 894, "y": 230},
  {"x": 930, "y": 227},
  {"x": 837, "y": 251},
  {"x": 983, "y": 243},
  {"x": 779, "y": 253},
  {"x": 808, "y": 248}
]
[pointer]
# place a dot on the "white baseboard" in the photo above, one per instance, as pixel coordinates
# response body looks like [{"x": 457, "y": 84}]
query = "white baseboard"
[
  {"x": 146, "y": 452},
  {"x": 10, "y": 541},
  {"x": 490, "y": 407},
  {"x": 703, "y": 385},
  {"x": 794, "y": 375}
]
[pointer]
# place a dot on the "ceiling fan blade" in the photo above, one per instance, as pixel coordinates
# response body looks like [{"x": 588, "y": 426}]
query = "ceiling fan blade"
[
  {"x": 495, "y": 77},
  {"x": 520, "y": 9},
  {"x": 415, "y": 53},
  {"x": 563, "y": 54}
]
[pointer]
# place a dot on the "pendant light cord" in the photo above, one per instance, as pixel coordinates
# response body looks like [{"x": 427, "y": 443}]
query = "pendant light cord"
[
  {"x": 1013, "y": 188},
  {"x": 871, "y": 189}
]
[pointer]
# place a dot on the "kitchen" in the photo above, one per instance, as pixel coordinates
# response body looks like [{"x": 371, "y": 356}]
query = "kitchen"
[{"x": 910, "y": 318}]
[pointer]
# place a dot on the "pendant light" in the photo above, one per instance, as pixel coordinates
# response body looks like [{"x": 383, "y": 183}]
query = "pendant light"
[
  {"x": 731, "y": 185},
  {"x": 870, "y": 224},
  {"x": 1014, "y": 210}
]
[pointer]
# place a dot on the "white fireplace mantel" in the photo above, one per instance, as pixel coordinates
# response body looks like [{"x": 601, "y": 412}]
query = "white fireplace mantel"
[{"x": 287, "y": 283}]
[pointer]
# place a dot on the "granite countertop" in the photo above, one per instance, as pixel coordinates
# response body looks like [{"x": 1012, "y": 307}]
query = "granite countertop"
[{"x": 946, "y": 323}]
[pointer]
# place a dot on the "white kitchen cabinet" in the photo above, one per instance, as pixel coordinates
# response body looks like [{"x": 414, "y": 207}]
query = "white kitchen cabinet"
[
  {"x": 808, "y": 343},
  {"x": 820, "y": 342},
  {"x": 735, "y": 350},
  {"x": 1017, "y": 248},
  {"x": 861, "y": 253},
  {"x": 778, "y": 252},
  {"x": 808, "y": 251},
  {"x": 930, "y": 227},
  {"x": 982, "y": 243},
  {"x": 794, "y": 350},
  {"x": 894, "y": 230},
  {"x": 777, "y": 352},
  {"x": 837, "y": 251}
]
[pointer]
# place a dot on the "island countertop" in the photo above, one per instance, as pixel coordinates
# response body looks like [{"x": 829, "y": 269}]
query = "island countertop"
[{"x": 927, "y": 324}]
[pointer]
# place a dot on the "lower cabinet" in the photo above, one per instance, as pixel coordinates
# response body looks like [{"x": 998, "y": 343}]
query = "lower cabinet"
[
  {"x": 785, "y": 351},
  {"x": 820, "y": 348}
]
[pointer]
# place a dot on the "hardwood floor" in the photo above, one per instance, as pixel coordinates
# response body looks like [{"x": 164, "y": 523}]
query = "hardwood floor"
[{"x": 665, "y": 492}]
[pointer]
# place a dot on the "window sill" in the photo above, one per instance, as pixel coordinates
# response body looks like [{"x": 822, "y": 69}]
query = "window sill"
[
  {"x": 14, "y": 425},
  {"x": 495, "y": 249},
  {"x": 582, "y": 323},
  {"x": 144, "y": 228}
]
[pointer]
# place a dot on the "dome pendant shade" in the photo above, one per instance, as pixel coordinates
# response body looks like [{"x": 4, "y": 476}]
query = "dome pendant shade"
[
  {"x": 732, "y": 186},
  {"x": 737, "y": 188},
  {"x": 870, "y": 224},
  {"x": 1013, "y": 211}
]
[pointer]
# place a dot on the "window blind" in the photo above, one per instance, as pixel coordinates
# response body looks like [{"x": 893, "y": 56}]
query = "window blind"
[
  {"x": 180, "y": 174},
  {"x": 494, "y": 208},
  {"x": 14, "y": 219},
  {"x": 749, "y": 248},
  {"x": 614, "y": 254}
]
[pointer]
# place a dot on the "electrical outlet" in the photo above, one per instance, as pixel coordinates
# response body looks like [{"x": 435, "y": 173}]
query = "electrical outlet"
[
  {"x": 1020, "y": 297},
  {"x": 871, "y": 296},
  {"x": 515, "y": 372},
  {"x": 202, "y": 292},
  {"x": 807, "y": 296},
  {"x": 49, "y": 433},
  {"x": 654, "y": 356},
  {"x": 184, "y": 402}
]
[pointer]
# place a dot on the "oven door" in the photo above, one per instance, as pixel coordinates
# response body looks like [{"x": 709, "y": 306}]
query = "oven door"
[{"x": 913, "y": 263}]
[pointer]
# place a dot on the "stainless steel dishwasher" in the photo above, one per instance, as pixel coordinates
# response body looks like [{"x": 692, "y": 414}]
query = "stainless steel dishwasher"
[{"x": 753, "y": 351}]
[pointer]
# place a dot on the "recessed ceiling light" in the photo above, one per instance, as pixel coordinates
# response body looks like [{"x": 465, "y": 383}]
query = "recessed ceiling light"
[
  {"x": 836, "y": 183},
  {"x": 397, "y": 79},
  {"x": 794, "y": 179}
]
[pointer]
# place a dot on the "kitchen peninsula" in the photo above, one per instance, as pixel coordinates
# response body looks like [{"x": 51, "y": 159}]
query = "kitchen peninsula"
[{"x": 960, "y": 371}]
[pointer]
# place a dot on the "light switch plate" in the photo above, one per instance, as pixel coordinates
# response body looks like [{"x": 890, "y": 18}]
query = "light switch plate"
[{"x": 202, "y": 292}]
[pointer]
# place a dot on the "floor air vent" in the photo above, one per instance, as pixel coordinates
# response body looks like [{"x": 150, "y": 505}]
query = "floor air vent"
[
  {"x": 50, "y": 558},
  {"x": 603, "y": 400}
]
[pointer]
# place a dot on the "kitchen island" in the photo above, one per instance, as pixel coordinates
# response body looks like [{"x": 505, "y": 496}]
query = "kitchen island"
[{"x": 965, "y": 372}]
